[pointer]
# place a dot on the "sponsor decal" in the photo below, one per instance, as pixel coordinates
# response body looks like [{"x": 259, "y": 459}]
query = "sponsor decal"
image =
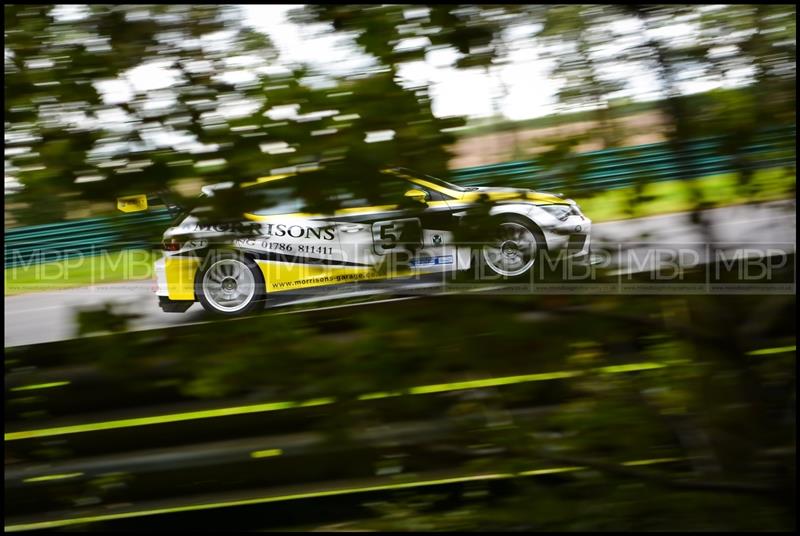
[
  {"x": 388, "y": 235},
  {"x": 270, "y": 230},
  {"x": 297, "y": 231},
  {"x": 282, "y": 247},
  {"x": 321, "y": 280},
  {"x": 241, "y": 227},
  {"x": 430, "y": 261}
]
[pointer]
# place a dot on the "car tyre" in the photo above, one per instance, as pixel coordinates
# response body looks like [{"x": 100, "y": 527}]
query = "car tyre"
[
  {"x": 230, "y": 284},
  {"x": 515, "y": 251}
]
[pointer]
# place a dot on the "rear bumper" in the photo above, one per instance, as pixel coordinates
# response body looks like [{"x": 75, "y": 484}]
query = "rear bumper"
[
  {"x": 160, "y": 271},
  {"x": 162, "y": 290}
]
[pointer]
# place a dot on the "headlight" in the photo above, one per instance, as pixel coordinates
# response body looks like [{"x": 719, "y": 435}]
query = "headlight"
[{"x": 560, "y": 212}]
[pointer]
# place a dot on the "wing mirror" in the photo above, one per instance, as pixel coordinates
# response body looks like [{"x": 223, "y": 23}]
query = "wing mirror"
[{"x": 419, "y": 196}]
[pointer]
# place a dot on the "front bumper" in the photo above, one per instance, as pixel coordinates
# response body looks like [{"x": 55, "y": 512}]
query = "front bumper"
[{"x": 571, "y": 237}]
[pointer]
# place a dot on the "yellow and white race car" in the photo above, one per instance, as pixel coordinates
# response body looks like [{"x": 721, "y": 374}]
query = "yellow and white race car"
[{"x": 231, "y": 269}]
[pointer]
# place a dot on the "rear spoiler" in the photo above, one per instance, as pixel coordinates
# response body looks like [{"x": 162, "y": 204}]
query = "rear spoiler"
[{"x": 141, "y": 202}]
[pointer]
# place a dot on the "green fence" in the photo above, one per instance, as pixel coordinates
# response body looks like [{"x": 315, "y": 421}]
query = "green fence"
[
  {"x": 622, "y": 167},
  {"x": 58, "y": 241},
  {"x": 586, "y": 172}
]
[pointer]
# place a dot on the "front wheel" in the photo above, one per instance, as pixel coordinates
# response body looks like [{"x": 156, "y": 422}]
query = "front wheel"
[
  {"x": 230, "y": 285},
  {"x": 512, "y": 252}
]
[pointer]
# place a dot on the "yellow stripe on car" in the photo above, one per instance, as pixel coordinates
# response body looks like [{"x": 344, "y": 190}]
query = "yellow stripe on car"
[
  {"x": 536, "y": 197},
  {"x": 353, "y": 211},
  {"x": 262, "y": 180}
]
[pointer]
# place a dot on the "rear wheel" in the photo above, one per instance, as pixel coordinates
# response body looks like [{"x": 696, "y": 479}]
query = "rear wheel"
[{"x": 230, "y": 284}]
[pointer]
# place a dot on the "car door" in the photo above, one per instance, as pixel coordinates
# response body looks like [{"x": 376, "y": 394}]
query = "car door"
[
  {"x": 404, "y": 235},
  {"x": 294, "y": 249}
]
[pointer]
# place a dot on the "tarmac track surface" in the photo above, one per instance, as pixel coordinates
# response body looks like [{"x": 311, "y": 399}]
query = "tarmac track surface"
[{"x": 49, "y": 316}]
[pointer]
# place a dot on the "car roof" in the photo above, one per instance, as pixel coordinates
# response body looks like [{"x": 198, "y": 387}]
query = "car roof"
[
  {"x": 404, "y": 173},
  {"x": 272, "y": 178}
]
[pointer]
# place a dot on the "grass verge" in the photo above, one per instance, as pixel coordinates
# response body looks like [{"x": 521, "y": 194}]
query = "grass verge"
[
  {"x": 109, "y": 267},
  {"x": 676, "y": 196}
]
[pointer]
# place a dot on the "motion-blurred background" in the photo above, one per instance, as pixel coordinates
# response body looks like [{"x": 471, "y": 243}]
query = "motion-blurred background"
[{"x": 592, "y": 411}]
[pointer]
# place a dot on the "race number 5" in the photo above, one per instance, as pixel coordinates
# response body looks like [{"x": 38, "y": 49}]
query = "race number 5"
[{"x": 388, "y": 236}]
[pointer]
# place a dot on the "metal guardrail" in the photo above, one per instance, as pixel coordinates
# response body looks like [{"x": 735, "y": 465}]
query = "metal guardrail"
[
  {"x": 38, "y": 244},
  {"x": 625, "y": 166},
  {"x": 587, "y": 172}
]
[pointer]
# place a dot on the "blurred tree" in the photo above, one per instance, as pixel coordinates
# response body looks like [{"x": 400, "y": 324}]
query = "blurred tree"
[
  {"x": 56, "y": 117},
  {"x": 728, "y": 449},
  {"x": 760, "y": 39},
  {"x": 731, "y": 44},
  {"x": 581, "y": 43},
  {"x": 748, "y": 50},
  {"x": 224, "y": 110},
  {"x": 394, "y": 34},
  {"x": 398, "y": 34},
  {"x": 78, "y": 129},
  {"x": 575, "y": 36}
]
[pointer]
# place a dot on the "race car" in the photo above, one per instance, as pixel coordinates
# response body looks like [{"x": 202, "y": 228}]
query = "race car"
[{"x": 233, "y": 268}]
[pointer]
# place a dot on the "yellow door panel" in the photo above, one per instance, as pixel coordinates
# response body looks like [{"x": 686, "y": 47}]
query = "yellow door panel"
[
  {"x": 281, "y": 276},
  {"x": 288, "y": 276}
]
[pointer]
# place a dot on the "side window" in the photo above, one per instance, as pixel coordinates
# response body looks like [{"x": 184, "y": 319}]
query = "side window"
[
  {"x": 322, "y": 192},
  {"x": 433, "y": 195},
  {"x": 395, "y": 188},
  {"x": 277, "y": 200},
  {"x": 348, "y": 199},
  {"x": 379, "y": 190}
]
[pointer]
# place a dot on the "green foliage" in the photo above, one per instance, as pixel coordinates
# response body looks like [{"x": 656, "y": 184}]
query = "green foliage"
[
  {"x": 724, "y": 42},
  {"x": 65, "y": 148},
  {"x": 71, "y": 146},
  {"x": 474, "y": 31},
  {"x": 722, "y": 415},
  {"x": 54, "y": 112}
]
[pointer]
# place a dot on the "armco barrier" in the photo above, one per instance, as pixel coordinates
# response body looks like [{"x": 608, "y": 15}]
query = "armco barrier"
[
  {"x": 586, "y": 172},
  {"x": 58, "y": 241},
  {"x": 621, "y": 167}
]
